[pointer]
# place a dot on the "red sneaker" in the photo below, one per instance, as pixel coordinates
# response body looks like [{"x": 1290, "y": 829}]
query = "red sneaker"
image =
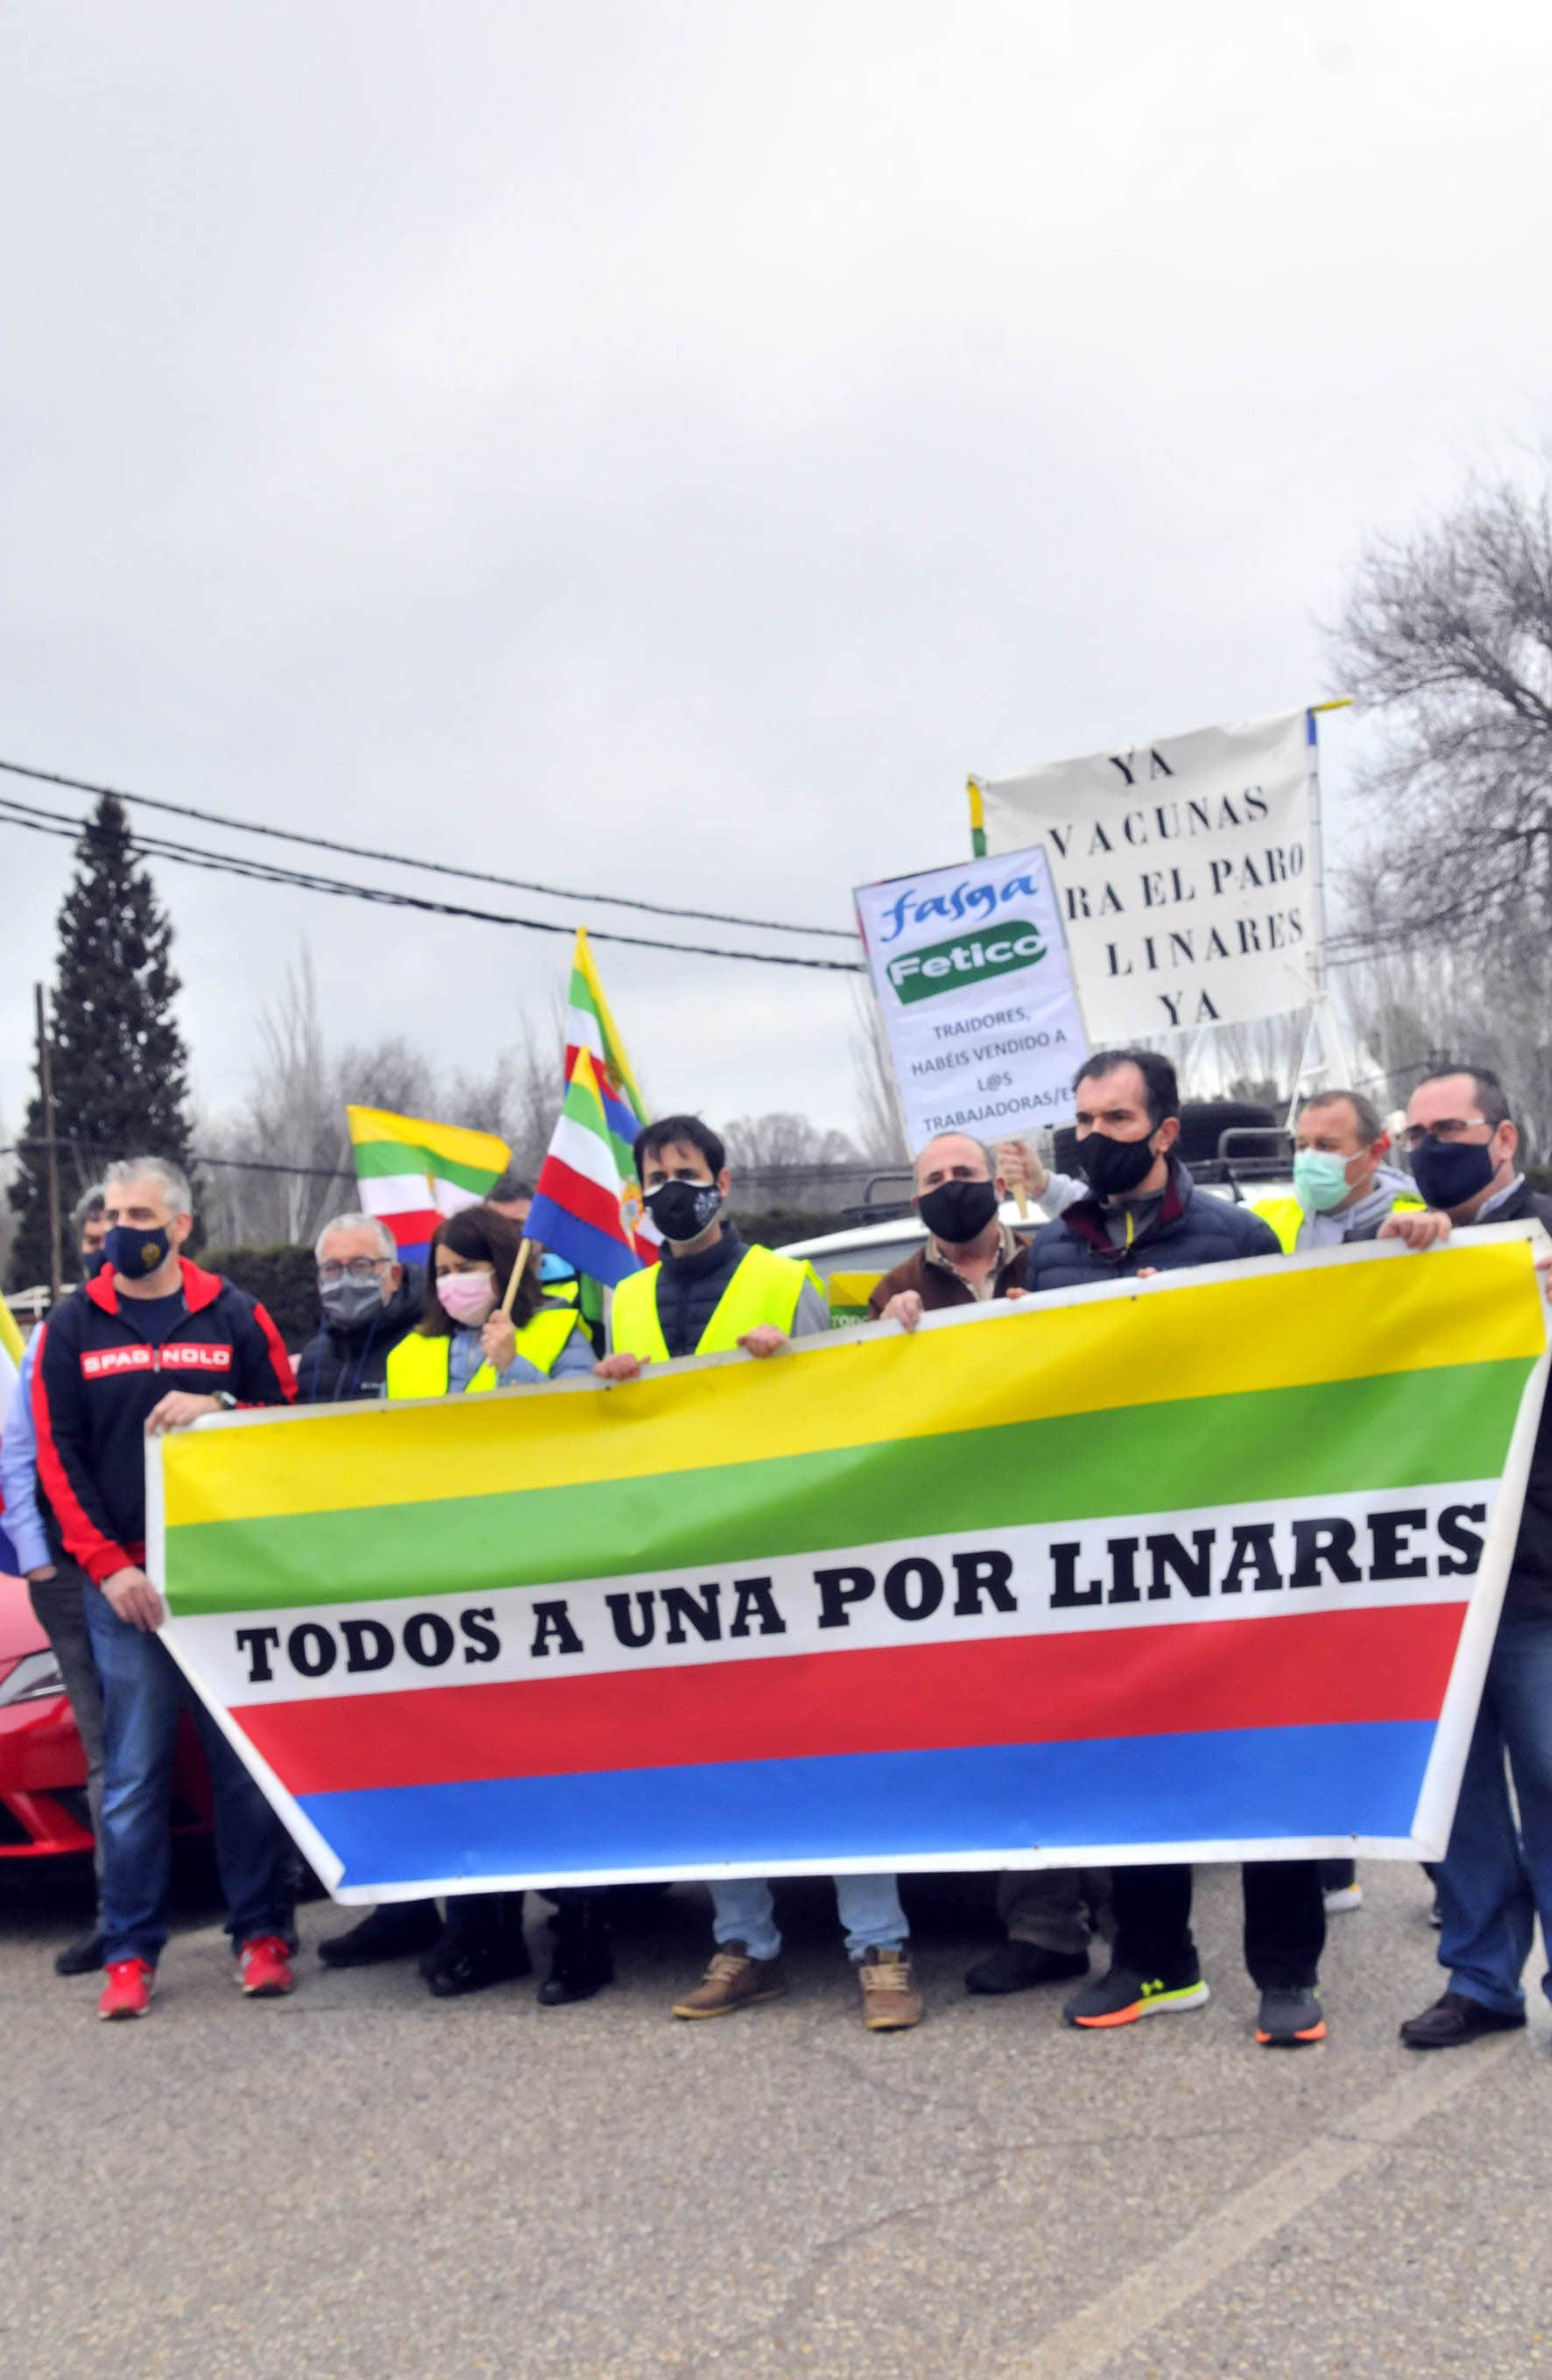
[
  {"x": 264, "y": 1968},
  {"x": 128, "y": 1989}
]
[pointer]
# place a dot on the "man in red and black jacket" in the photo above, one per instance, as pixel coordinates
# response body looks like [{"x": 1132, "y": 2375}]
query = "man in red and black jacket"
[{"x": 151, "y": 1343}]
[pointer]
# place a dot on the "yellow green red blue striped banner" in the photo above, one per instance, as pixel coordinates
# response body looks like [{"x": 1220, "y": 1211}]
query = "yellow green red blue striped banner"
[{"x": 939, "y": 1600}]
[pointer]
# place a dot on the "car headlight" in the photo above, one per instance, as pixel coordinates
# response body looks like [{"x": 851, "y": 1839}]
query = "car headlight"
[{"x": 34, "y": 1678}]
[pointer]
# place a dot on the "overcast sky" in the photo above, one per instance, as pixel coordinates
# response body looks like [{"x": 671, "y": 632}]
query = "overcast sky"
[{"x": 660, "y": 448}]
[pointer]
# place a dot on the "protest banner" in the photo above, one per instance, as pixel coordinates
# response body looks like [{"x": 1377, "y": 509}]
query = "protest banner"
[
  {"x": 1203, "y": 1567},
  {"x": 1188, "y": 873},
  {"x": 970, "y": 971}
]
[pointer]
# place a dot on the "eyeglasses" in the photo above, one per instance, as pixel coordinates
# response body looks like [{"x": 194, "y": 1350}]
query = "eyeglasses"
[
  {"x": 359, "y": 1268},
  {"x": 1449, "y": 1128}
]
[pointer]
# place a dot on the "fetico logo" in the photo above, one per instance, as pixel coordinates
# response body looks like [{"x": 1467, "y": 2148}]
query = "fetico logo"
[{"x": 969, "y": 958}]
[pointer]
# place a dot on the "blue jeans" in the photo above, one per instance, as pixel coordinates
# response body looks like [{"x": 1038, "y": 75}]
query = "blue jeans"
[
  {"x": 144, "y": 1695},
  {"x": 868, "y": 1908},
  {"x": 1496, "y": 1880}
]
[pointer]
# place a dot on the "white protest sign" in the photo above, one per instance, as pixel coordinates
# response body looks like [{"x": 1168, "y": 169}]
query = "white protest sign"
[
  {"x": 971, "y": 972},
  {"x": 1185, "y": 870}
]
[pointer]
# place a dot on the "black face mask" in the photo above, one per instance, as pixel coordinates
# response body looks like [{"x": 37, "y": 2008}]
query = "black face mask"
[
  {"x": 957, "y": 1212},
  {"x": 682, "y": 1211},
  {"x": 1112, "y": 1168},
  {"x": 347, "y": 1304},
  {"x": 1448, "y": 1172},
  {"x": 134, "y": 1254}
]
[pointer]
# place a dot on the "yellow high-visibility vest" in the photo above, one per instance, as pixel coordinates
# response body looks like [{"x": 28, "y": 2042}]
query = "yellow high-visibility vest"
[
  {"x": 419, "y": 1366},
  {"x": 1285, "y": 1215},
  {"x": 765, "y": 1289}
]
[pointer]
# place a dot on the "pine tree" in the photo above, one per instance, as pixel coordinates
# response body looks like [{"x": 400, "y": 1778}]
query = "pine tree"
[{"x": 120, "y": 1067}]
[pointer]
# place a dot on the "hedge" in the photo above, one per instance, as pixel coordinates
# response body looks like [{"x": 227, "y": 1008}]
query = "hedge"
[{"x": 284, "y": 1279}]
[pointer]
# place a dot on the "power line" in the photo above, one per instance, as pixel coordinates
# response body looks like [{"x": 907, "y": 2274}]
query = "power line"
[
  {"x": 262, "y": 871},
  {"x": 228, "y": 1164},
  {"x": 400, "y": 859}
]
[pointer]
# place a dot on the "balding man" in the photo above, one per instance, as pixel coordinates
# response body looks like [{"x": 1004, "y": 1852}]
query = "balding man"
[{"x": 970, "y": 1255}]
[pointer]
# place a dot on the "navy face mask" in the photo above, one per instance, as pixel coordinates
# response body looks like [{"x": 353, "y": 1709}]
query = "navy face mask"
[
  {"x": 135, "y": 1253},
  {"x": 1448, "y": 1172}
]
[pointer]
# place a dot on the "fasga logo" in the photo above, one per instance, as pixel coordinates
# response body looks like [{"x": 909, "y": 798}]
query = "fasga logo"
[
  {"x": 1014, "y": 942},
  {"x": 977, "y": 902}
]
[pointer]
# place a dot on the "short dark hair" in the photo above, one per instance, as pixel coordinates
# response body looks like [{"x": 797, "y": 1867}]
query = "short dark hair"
[
  {"x": 1370, "y": 1122},
  {"x": 688, "y": 1131},
  {"x": 480, "y": 1237},
  {"x": 510, "y": 1185},
  {"x": 1490, "y": 1095},
  {"x": 87, "y": 1209},
  {"x": 1160, "y": 1088}
]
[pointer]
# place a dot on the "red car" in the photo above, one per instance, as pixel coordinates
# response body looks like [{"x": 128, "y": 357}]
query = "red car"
[{"x": 42, "y": 1768}]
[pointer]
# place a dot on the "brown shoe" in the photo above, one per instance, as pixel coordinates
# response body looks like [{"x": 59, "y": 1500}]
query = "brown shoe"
[
  {"x": 733, "y": 1981},
  {"x": 889, "y": 2002}
]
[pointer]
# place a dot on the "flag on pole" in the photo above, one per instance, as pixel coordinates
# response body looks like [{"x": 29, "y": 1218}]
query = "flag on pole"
[
  {"x": 591, "y": 1026},
  {"x": 582, "y": 1210},
  {"x": 411, "y": 1173}
]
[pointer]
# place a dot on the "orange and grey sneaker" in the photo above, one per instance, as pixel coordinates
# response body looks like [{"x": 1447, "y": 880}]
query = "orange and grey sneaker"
[
  {"x": 128, "y": 1989},
  {"x": 1121, "y": 1997},
  {"x": 1289, "y": 2017},
  {"x": 264, "y": 1968},
  {"x": 890, "y": 2002},
  {"x": 733, "y": 1981}
]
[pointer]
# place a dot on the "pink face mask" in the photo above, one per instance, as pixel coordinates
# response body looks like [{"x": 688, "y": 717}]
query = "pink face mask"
[{"x": 469, "y": 1297}]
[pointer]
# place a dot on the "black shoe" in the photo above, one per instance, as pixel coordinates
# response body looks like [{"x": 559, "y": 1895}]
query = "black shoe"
[
  {"x": 396, "y": 1930},
  {"x": 1291, "y": 2015},
  {"x": 1121, "y": 1998},
  {"x": 81, "y": 1958},
  {"x": 1457, "y": 2018},
  {"x": 583, "y": 1962},
  {"x": 454, "y": 1968},
  {"x": 1017, "y": 1966}
]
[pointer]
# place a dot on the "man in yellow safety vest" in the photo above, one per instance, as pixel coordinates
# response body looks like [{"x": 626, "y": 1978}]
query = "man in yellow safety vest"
[
  {"x": 1343, "y": 1188},
  {"x": 708, "y": 1294}
]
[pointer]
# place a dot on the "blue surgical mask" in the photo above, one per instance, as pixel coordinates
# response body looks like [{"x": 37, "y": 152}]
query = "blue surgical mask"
[
  {"x": 1321, "y": 1182},
  {"x": 135, "y": 1253},
  {"x": 555, "y": 1268}
]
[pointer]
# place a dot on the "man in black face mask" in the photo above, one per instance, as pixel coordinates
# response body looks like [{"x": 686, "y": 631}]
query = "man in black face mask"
[
  {"x": 369, "y": 1301},
  {"x": 709, "y": 1294},
  {"x": 971, "y": 1258},
  {"x": 970, "y": 1255},
  {"x": 1496, "y": 1878},
  {"x": 1146, "y": 1215}
]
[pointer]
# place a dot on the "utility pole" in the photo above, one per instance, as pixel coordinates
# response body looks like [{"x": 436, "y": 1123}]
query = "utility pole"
[{"x": 45, "y": 1084}]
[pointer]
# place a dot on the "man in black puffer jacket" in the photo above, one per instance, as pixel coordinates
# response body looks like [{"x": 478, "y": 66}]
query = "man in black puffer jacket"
[
  {"x": 370, "y": 1303},
  {"x": 1496, "y": 1878},
  {"x": 1146, "y": 1215}
]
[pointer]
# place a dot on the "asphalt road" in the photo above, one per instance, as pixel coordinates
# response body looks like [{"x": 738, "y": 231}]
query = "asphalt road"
[{"x": 359, "y": 2181}]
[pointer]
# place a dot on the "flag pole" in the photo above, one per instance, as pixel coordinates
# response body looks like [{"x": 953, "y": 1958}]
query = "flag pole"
[{"x": 515, "y": 1279}]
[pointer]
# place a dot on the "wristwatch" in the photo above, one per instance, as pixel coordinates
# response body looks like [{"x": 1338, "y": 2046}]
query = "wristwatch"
[{"x": 226, "y": 1400}]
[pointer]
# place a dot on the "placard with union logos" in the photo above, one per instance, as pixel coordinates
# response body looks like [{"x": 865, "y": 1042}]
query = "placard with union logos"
[{"x": 970, "y": 967}]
